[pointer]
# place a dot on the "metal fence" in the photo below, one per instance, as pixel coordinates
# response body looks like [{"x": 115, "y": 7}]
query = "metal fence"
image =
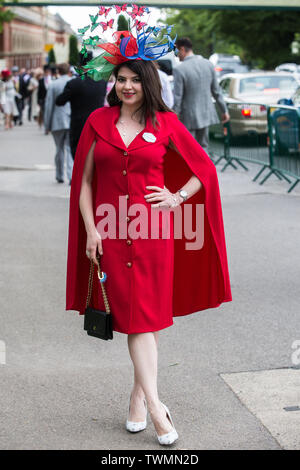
[
  {"x": 265, "y": 135},
  {"x": 216, "y": 143},
  {"x": 284, "y": 124}
]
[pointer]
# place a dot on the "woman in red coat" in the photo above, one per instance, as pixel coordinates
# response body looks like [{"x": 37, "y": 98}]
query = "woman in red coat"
[{"x": 145, "y": 195}]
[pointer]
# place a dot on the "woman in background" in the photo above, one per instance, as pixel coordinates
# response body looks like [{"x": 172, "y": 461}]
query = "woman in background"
[{"x": 9, "y": 103}]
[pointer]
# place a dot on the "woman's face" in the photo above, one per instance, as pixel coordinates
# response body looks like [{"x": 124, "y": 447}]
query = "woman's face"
[{"x": 129, "y": 87}]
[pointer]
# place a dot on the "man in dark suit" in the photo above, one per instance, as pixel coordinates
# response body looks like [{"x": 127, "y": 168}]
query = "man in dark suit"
[
  {"x": 44, "y": 83},
  {"x": 21, "y": 82},
  {"x": 85, "y": 96}
]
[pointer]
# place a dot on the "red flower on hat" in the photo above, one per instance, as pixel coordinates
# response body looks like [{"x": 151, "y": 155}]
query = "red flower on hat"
[{"x": 114, "y": 48}]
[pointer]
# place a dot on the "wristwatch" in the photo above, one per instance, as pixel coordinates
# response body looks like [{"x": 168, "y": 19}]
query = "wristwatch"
[{"x": 183, "y": 194}]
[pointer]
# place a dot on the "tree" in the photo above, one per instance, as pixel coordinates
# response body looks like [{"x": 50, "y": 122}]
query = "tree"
[
  {"x": 263, "y": 37},
  {"x": 51, "y": 57},
  {"x": 123, "y": 24},
  {"x": 200, "y": 27},
  {"x": 5, "y": 15},
  {"x": 73, "y": 50}
]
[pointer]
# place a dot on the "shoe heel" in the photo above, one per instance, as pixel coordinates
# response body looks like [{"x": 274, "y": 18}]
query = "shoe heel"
[
  {"x": 136, "y": 426},
  {"x": 170, "y": 437}
]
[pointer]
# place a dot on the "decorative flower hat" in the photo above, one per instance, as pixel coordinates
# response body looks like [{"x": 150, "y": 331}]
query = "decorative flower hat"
[{"x": 150, "y": 42}]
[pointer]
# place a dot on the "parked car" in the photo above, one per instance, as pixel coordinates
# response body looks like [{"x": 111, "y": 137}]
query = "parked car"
[
  {"x": 247, "y": 96},
  {"x": 293, "y": 100},
  {"x": 285, "y": 125},
  {"x": 289, "y": 67},
  {"x": 225, "y": 63}
]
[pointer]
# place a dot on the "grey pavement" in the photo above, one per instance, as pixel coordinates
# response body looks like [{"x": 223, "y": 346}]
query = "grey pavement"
[{"x": 229, "y": 375}]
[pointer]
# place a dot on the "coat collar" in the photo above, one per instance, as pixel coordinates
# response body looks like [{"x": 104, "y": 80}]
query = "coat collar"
[
  {"x": 104, "y": 123},
  {"x": 194, "y": 56}
]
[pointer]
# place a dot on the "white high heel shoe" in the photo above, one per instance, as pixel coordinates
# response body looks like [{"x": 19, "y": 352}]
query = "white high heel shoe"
[
  {"x": 170, "y": 437},
  {"x": 136, "y": 426}
]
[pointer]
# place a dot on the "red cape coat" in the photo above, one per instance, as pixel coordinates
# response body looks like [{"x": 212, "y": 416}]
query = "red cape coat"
[{"x": 201, "y": 278}]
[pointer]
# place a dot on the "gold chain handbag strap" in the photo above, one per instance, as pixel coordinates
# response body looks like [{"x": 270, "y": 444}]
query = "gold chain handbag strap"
[{"x": 90, "y": 287}]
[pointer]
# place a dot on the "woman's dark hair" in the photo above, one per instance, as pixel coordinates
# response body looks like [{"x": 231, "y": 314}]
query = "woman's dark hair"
[{"x": 151, "y": 85}]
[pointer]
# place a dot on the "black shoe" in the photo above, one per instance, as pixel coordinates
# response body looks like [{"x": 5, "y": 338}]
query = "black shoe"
[
  {"x": 20, "y": 123},
  {"x": 59, "y": 181}
]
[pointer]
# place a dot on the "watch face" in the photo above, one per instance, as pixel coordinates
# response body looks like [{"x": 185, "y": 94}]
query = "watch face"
[{"x": 183, "y": 193}]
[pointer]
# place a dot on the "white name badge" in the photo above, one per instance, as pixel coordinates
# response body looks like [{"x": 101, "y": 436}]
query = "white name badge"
[{"x": 148, "y": 137}]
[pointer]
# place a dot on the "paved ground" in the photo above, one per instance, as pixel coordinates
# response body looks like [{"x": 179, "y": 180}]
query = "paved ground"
[{"x": 63, "y": 390}]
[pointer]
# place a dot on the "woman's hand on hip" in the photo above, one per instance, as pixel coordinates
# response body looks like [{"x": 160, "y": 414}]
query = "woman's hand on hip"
[
  {"x": 162, "y": 197},
  {"x": 93, "y": 243}
]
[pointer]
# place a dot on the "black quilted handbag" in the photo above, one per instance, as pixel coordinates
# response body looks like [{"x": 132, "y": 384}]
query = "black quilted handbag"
[{"x": 96, "y": 322}]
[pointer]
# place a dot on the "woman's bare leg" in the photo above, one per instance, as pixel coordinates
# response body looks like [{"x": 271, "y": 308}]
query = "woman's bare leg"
[
  {"x": 143, "y": 352},
  {"x": 137, "y": 407}
]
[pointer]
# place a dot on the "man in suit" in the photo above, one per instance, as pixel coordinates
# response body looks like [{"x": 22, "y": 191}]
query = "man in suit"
[
  {"x": 21, "y": 81},
  {"x": 84, "y": 96},
  {"x": 195, "y": 82},
  {"x": 44, "y": 83},
  {"x": 57, "y": 121}
]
